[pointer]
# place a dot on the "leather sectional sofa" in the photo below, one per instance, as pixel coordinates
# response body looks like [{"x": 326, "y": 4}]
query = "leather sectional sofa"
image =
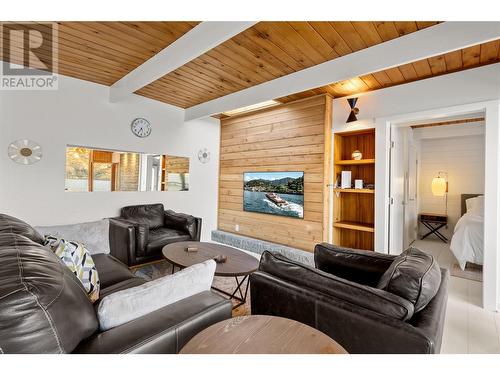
[
  {"x": 44, "y": 308},
  {"x": 140, "y": 232},
  {"x": 342, "y": 297}
]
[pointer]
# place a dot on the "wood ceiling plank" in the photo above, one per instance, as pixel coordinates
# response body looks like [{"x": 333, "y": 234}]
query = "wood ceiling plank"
[
  {"x": 453, "y": 60},
  {"x": 350, "y": 35},
  {"x": 298, "y": 39},
  {"x": 387, "y": 30},
  {"x": 368, "y": 32},
  {"x": 424, "y": 24},
  {"x": 328, "y": 33},
  {"x": 471, "y": 56},
  {"x": 263, "y": 40},
  {"x": 422, "y": 68},
  {"x": 408, "y": 71},
  {"x": 405, "y": 27},
  {"x": 382, "y": 78},
  {"x": 274, "y": 65},
  {"x": 314, "y": 39},
  {"x": 489, "y": 52},
  {"x": 438, "y": 64},
  {"x": 371, "y": 81},
  {"x": 277, "y": 33},
  {"x": 395, "y": 75}
]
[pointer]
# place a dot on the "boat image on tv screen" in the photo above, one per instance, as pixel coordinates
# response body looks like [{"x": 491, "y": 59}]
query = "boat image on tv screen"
[{"x": 277, "y": 193}]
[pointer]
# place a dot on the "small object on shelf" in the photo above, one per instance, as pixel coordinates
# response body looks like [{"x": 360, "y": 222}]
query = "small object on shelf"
[
  {"x": 220, "y": 259},
  {"x": 345, "y": 181},
  {"x": 370, "y": 186},
  {"x": 357, "y": 155},
  {"x": 191, "y": 249},
  {"x": 358, "y": 184}
]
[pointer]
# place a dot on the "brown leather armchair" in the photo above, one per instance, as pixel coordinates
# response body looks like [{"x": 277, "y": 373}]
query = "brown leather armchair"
[
  {"x": 138, "y": 235},
  {"x": 342, "y": 298}
]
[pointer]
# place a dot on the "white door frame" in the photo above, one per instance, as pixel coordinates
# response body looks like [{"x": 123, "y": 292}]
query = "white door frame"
[{"x": 491, "y": 269}]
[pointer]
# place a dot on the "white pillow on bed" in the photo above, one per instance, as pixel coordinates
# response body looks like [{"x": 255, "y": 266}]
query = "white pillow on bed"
[
  {"x": 125, "y": 305},
  {"x": 475, "y": 205}
]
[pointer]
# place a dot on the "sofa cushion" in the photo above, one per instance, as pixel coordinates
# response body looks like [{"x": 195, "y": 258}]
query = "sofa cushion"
[
  {"x": 181, "y": 222},
  {"x": 94, "y": 235},
  {"x": 129, "y": 304},
  {"x": 78, "y": 259},
  {"x": 44, "y": 308},
  {"x": 413, "y": 275},
  {"x": 122, "y": 285},
  {"x": 148, "y": 214},
  {"x": 9, "y": 224},
  {"x": 163, "y": 236},
  {"x": 111, "y": 270},
  {"x": 364, "y": 296}
]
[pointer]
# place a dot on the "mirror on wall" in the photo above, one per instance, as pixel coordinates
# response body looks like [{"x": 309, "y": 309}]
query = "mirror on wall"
[{"x": 91, "y": 169}]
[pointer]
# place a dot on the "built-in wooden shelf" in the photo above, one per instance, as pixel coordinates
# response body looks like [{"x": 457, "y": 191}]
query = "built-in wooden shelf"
[
  {"x": 355, "y": 162},
  {"x": 354, "y": 226},
  {"x": 359, "y": 191},
  {"x": 354, "y": 209}
]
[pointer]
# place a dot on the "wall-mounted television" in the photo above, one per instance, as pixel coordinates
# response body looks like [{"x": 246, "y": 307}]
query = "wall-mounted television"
[{"x": 276, "y": 193}]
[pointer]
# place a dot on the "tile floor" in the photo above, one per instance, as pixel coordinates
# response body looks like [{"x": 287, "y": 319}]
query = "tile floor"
[{"x": 468, "y": 328}]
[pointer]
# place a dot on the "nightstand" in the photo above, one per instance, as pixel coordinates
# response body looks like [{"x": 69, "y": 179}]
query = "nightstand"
[{"x": 434, "y": 222}]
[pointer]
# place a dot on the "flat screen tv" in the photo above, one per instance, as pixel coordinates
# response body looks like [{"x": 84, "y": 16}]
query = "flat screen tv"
[{"x": 276, "y": 193}]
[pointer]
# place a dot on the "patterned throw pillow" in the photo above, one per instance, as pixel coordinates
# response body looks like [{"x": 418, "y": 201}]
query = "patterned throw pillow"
[{"x": 77, "y": 258}]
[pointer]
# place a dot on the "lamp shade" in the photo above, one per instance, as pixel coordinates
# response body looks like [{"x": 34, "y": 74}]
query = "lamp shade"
[{"x": 438, "y": 186}]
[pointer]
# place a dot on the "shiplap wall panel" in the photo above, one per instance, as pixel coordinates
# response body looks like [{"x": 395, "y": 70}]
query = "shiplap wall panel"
[
  {"x": 463, "y": 159},
  {"x": 288, "y": 137}
]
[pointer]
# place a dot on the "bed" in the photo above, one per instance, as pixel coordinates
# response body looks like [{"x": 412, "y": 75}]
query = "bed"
[{"x": 467, "y": 243}]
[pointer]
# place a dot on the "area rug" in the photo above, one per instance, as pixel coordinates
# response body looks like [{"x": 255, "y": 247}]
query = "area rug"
[
  {"x": 155, "y": 270},
  {"x": 472, "y": 272}
]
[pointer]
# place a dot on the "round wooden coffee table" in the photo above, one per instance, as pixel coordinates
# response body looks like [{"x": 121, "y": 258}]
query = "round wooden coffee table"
[
  {"x": 261, "y": 334},
  {"x": 238, "y": 264}
]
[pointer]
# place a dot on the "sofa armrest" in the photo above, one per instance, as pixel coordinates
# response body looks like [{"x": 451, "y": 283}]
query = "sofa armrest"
[
  {"x": 185, "y": 223},
  {"x": 360, "y": 266},
  {"x": 165, "y": 330},
  {"x": 121, "y": 239}
]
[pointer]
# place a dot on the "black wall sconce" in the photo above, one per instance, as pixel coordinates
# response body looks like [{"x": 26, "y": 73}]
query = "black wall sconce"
[{"x": 354, "y": 111}]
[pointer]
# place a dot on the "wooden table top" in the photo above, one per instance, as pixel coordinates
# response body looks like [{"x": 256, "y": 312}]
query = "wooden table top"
[
  {"x": 261, "y": 334},
  {"x": 238, "y": 263}
]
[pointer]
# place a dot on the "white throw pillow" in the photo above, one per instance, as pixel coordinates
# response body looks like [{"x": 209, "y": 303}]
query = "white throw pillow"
[
  {"x": 125, "y": 305},
  {"x": 94, "y": 235},
  {"x": 475, "y": 205}
]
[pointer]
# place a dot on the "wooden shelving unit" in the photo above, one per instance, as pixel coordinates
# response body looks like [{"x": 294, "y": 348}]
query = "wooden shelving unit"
[{"x": 354, "y": 209}]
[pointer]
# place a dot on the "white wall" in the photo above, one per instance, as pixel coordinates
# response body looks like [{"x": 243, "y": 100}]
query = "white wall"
[
  {"x": 462, "y": 157},
  {"x": 80, "y": 113}
]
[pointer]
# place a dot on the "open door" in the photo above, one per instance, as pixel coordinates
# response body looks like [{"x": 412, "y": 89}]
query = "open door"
[{"x": 411, "y": 182}]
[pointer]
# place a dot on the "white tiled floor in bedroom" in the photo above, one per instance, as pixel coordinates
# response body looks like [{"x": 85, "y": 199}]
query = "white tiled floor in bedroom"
[{"x": 468, "y": 327}]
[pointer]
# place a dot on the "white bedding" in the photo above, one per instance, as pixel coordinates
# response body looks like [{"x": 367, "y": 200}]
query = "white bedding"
[{"x": 467, "y": 243}]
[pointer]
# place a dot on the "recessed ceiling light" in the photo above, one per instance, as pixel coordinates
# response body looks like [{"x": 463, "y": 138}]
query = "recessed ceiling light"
[{"x": 253, "y": 107}]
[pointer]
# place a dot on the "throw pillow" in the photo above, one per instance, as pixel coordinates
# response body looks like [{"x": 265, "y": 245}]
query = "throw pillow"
[
  {"x": 94, "y": 235},
  {"x": 129, "y": 304},
  {"x": 78, "y": 259},
  {"x": 413, "y": 275}
]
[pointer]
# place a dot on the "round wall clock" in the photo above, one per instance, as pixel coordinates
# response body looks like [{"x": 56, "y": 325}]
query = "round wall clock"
[
  {"x": 141, "y": 127},
  {"x": 24, "y": 151}
]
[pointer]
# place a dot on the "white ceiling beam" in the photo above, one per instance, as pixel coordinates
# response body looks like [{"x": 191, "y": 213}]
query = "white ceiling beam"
[
  {"x": 436, "y": 40},
  {"x": 195, "y": 42}
]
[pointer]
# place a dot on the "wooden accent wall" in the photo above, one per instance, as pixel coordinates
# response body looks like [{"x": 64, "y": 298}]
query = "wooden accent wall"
[{"x": 290, "y": 137}]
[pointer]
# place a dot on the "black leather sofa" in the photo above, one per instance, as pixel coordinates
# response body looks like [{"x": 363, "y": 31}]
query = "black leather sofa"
[
  {"x": 140, "y": 232},
  {"x": 342, "y": 297},
  {"x": 44, "y": 308}
]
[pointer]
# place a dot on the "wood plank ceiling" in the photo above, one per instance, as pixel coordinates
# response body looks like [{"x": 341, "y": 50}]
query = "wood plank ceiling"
[{"x": 103, "y": 52}]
